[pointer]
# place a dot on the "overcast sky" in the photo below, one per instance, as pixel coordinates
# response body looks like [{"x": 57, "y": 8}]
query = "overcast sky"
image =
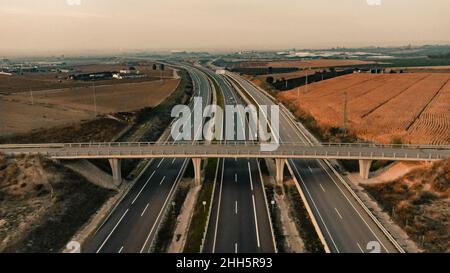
[{"x": 56, "y": 27}]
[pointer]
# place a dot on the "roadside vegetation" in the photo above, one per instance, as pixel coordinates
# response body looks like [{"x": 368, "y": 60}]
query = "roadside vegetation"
[
  {"x": 275, "y": 217},
  {"x": 419, "y": 203},
  {"x": 43, "y": 204},
  {"x": 302, "y": 219},
  {"x": 150, "y": 123},
  {"x": 332, "y": 134},
  {"x": 199, "y": 221},
  {"x": 168, "y": 225},
  {"x": 98, "y": 130}
]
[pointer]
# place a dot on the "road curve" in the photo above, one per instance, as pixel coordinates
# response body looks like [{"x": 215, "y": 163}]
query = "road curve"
[
  {"x": 239, "y": 221},
  {"x": 132, "y": 225},
  {"x": 345, "y": 225}
]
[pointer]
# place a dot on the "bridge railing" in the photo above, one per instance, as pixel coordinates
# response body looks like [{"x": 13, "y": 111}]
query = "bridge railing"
[
  {"x": 221, "y": 143},
  {"x": 241, "y": 143},
  {"x": 220, "y": 152}
]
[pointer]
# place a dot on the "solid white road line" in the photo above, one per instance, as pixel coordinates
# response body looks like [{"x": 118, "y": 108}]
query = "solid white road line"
[
  {"x": 142, "y": 214},
  {"x": 315, "y": 207},
  {"x": 310, "y": 169},
  {"x": 112, "y": 231},
  {"x": 340, "y": 216},
  {"x": 218, "y": 208},
  {"x": 351, "y": 204},
  {"x": 173, "y": 161},
  {"x": 266, "y": 206},
  {"x": 139, "y": 193},
  {"x": 360, "y": 248},
  {"x": 250, "y": 175},
  {"x": 162, "y": 180},
  {"x": 256, "y": 221},
  {"x": 323, "y": 189},
  {"x": 120, "y": 250},
  {"x": 164, "y": 205}
]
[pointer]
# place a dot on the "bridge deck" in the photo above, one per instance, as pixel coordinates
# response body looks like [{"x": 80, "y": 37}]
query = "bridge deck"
[{"x": 231, "y": 150}]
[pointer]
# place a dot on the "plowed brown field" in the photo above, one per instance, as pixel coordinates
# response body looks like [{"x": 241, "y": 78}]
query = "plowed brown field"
[
  {"x": 414, "y": 106},
  {"x": 21, "y": 112}
]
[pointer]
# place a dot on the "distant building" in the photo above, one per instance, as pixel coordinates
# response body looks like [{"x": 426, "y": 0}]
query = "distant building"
[
  {"x": 131, "y": 73},
  {"x": 108, "y": 75}
]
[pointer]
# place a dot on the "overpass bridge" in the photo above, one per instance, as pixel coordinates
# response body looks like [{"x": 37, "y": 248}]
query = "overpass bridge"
[{"x": 365, "y": 153}]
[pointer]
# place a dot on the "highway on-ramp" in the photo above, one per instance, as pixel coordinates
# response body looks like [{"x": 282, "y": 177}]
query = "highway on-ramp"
[{"x": 344, "y": 223}]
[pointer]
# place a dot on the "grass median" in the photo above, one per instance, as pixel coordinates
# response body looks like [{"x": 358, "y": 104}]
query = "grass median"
[{"x": 199, "y": 220}]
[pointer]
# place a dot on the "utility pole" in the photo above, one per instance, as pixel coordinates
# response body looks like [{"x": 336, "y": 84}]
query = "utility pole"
[
  {"x": 345, "y": 112},
  {"x": 32, "y": 99},
  {"x": 95, "y": 99},
  {"x": 306, "y": 85}
]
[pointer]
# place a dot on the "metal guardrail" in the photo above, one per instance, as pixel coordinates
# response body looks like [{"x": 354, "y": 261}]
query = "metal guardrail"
[{"x": 222, "y": 143}]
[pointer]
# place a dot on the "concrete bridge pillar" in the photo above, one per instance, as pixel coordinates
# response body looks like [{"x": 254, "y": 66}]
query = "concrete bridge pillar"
[
  {"x": 197, "y": 162},
  {"x": 364, "y": 168},
  {"x": 280, "y": 170},
  {"x": 116, "y": 168}
]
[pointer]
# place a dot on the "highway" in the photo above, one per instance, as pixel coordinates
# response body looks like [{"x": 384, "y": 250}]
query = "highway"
[
  {"x": 132, "y": 225},
  {"x": 344, "y": 223},
  {"x": 239, "y": 221}
]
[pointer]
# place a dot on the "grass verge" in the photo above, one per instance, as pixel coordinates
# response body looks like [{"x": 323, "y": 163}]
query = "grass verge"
[
  {"x": 200, "y": 217},
  {"x": 166, "y": 232},
  {"x": 275, "y": 217},
  {"x": 302, "y": 220}
]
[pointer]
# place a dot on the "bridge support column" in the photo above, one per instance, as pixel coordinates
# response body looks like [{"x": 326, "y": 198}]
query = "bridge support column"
[
  {"x": 116, "y": 168},
  {"x": 280, "y": 170},
  {"x": 197, "y": 162},
  {"x": 364, "y": 168}
]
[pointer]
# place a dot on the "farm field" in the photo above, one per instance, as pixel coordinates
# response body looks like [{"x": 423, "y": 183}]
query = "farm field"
[
  {"x": 52, "y": 80},
  {"x": 21, "y": 113},
  {"x": 413, "y": 107}
]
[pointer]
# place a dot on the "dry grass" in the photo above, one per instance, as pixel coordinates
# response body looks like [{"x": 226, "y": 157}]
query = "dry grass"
[
  {"x": 42, "y": 204},
  {"x": 98, "y": 130},
  {"x": 419, "y": 202},
  {"x": 412, "y": 107}
]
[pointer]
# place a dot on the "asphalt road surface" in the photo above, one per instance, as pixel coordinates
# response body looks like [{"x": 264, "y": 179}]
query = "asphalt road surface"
[
  {"x": 239, "y": 221},
  {"x": 132, "y": 225},
  {"x": 342, "y": 220}
]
